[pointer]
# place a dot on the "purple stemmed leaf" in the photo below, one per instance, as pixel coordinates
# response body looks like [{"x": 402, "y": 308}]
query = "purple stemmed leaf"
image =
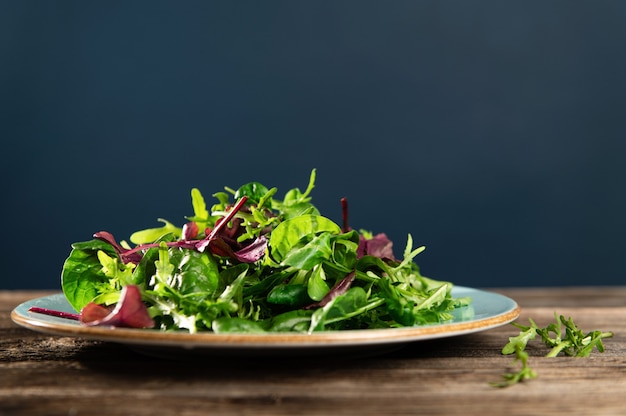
[
  {"x": 339, "y": 289},
  {"x": 129, "y": 312},
  {"x": 52, "y": 312},
  {"x": 252, "y": 252},
  {"x": 127, "y": 255},
  {"x": 203, "y": 244},
  {"x": 190, "y": 231},
  {"x": 214, "y": 241},
  {"x": 379, "y": 246}
]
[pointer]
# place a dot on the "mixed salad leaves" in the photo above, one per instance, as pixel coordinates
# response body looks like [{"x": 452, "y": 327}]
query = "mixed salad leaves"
[{"x": 253, "y": 263}]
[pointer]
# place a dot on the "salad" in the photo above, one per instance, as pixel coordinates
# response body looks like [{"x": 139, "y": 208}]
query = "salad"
[{"x": 254, "y": 263}]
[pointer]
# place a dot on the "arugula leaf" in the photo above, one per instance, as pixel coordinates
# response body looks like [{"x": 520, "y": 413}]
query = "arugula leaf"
[
  {"x": 524, "y": 373},
  {"x": 519, "y": 342},
  {"x": 201, "y": 215},
  {"x": 572, "y": 342}
]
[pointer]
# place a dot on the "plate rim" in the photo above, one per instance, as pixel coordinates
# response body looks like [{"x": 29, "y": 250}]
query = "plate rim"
[{"x": 278, "y": 340}]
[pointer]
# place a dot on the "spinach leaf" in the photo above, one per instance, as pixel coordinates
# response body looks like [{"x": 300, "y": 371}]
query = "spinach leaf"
[
  {"x": 289, "y": 234},
  {"x": 236, "y": 325},
  {"x": 195, "y": 272},
  {"x": 310, "y": 254},
  {"x": 292, "y": 295},
  {"x": 254, "y": 191},
  {"x": 297, "y": 321},
  {"x": 82, "y": 272},
  {"x": 317, "y": 287}
]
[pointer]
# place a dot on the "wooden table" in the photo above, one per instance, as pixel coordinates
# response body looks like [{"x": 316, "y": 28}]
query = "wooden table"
[{"x": 47, "y": 375}]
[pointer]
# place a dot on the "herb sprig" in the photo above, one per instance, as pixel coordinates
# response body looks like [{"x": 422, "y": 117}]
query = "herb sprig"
[{"x": 562, "y": 336}]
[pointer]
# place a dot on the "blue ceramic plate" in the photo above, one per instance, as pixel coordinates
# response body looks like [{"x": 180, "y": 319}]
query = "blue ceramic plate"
[{"x": 488, "y": 310}]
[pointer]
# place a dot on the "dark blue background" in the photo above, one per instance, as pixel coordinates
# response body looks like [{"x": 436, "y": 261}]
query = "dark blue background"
[{"x": 493, "y": 132}]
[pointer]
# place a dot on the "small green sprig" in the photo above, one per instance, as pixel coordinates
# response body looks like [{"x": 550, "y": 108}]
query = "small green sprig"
[
  {"x": 525, "y": 373},
  {"x": 571, "y": 342}
]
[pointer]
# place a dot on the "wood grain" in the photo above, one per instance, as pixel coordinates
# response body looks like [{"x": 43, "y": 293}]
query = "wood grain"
[{"x": 44, "y": 375}]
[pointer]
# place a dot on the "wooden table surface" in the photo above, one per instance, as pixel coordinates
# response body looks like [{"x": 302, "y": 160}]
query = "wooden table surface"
[{"x": 48, "y": 375}]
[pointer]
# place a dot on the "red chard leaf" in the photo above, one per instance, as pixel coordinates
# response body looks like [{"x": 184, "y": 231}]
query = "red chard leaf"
[{"x": 129, "y": 312}]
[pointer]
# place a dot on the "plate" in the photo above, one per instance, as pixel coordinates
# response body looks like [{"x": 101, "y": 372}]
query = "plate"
[{"x": 487, "y": 310}]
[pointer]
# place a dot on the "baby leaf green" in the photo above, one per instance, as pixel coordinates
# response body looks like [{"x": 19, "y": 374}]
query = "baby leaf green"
[
  {"x": 82, "y": 272},
  {"x": 290, "y": 233},
  {"x": 152, "y": 234}
]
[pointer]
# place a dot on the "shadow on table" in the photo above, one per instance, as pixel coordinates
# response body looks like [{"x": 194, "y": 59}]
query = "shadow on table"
[{"x": 108, "y": 359}]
